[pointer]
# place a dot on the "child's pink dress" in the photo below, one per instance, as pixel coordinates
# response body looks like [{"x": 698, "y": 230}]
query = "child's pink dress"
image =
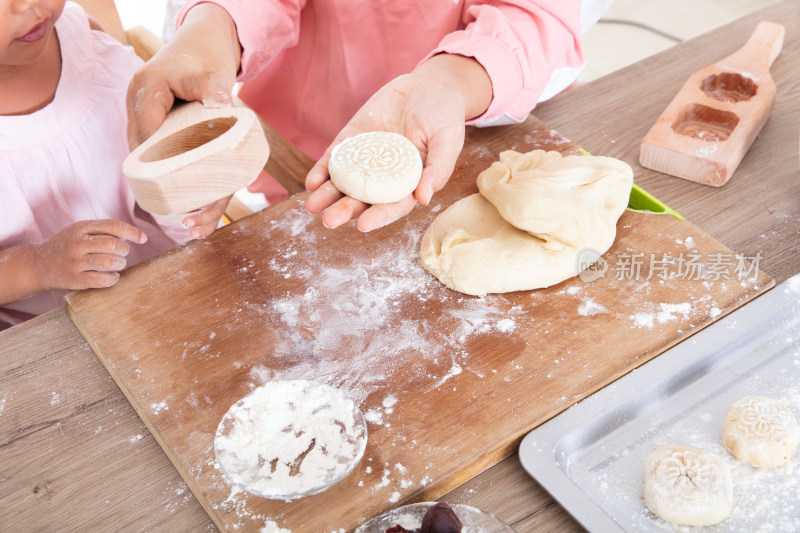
[{"x": 62, "y": 164}]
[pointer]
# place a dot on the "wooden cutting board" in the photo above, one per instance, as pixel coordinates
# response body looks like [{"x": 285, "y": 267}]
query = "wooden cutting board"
[{"x": 448, "y": 383}]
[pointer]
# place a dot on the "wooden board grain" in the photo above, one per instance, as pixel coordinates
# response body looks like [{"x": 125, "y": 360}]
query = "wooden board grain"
[
  {"x": 449, "y": 383},
  {"x": 74, "y": 455}
]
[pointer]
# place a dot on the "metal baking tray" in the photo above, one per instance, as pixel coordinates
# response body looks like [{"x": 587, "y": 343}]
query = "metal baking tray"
[{"x": 590, "y": 458}]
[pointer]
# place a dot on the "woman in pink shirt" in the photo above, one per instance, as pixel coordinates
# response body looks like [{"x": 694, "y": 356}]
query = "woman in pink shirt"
[{"x": 324, "y": 70}]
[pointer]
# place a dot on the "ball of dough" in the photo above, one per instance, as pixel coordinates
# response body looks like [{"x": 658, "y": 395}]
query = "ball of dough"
[
  {"x": 526, "y": 230},
  {"x": 473, "y": 250},
  {"x": 377, "y": 167},
  {"x": 571, "y": 200},
  {"x": 688, "y": 486},
  {"x": 760, "y": 432}
]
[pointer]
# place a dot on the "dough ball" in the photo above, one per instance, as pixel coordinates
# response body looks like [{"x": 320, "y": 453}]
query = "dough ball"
[
  {"x": 688, "y": 486},
  {"x": 473, "y": 250},
  {"x": 565, "y": 201},
  {"x": 526, "y": 230},
  {"x": 760, "y": 432},
  {"x": 377, "y": 167}
]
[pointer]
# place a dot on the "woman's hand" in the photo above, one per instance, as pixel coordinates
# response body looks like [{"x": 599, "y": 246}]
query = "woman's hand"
[
  {"x": 428, "y": 106},
  {"x": 84, "y": 255},
  {"x": 199, "y": 64}
]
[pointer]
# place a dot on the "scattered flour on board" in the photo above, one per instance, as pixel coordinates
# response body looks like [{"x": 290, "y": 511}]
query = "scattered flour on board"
[
  {"x": 480, "y": 150},
  {"x": 389, "y": 401},
  {"x": 272, "y": 527},
  {"x": 385, "y": 480},
  {"x": 643, "y": 320},
  {"x": 296, "y": 220},
  {"x": 589, "y": 308},
  {"x": 454, "y": 371},
  {"x": 575, "y": 289},
  {"x": 374, "y": 416},
  {"x": 506, "y": 325},
  {"x": 666, "y": 313},
  {"x": 327, "y": 330}
]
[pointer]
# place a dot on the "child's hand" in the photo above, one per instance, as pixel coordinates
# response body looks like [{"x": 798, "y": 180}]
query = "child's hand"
[
  {"x": 429, "y": 106},
  {"x": 85, "y": 255},
  {"x": 204, "y": 222}
]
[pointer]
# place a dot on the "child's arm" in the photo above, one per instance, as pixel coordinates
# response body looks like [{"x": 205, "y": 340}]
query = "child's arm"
[
  {"x": 83, "y": 255},
  {"x": 17, "y": 273}
]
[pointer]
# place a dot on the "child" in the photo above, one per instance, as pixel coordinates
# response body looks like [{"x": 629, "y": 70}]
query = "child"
[{"x": 69, "y": 219}]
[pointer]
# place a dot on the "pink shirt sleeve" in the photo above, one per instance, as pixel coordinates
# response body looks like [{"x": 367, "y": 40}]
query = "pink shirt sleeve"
[
  {"x": 520, "y": 43},
  {"x": 265, "y": 28}
]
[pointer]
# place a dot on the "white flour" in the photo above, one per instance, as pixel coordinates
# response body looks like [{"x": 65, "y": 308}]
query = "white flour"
[
  {"x": 343, "y": 327},
  {"x": 589, "y": 308},
  {"x": 290, "y": 438},
  {"x": 666, "y": 312},
  {"x": 272, "y": 527},
  {"x": 643, "y": 320},
  {"x": 663, "y": 313}
]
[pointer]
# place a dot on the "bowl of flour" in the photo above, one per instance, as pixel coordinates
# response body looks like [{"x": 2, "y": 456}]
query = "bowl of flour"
[{"x": 290, "y": 439}]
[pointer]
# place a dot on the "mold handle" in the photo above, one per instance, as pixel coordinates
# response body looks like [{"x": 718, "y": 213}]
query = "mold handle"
[{"x": 760, "y": 50}]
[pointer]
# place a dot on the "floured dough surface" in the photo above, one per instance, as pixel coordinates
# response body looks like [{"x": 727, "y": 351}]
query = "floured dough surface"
[
  {"x": 760, "y": 432},
  {"x": 535, "y": 214},
  {"x": 376, "y": 167},
  {"x": 473, "y": 250},
  {"x": 289, "y": 439},
  {"x": 688, "y": 486},
  {"x": 572, "y": 201}
]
